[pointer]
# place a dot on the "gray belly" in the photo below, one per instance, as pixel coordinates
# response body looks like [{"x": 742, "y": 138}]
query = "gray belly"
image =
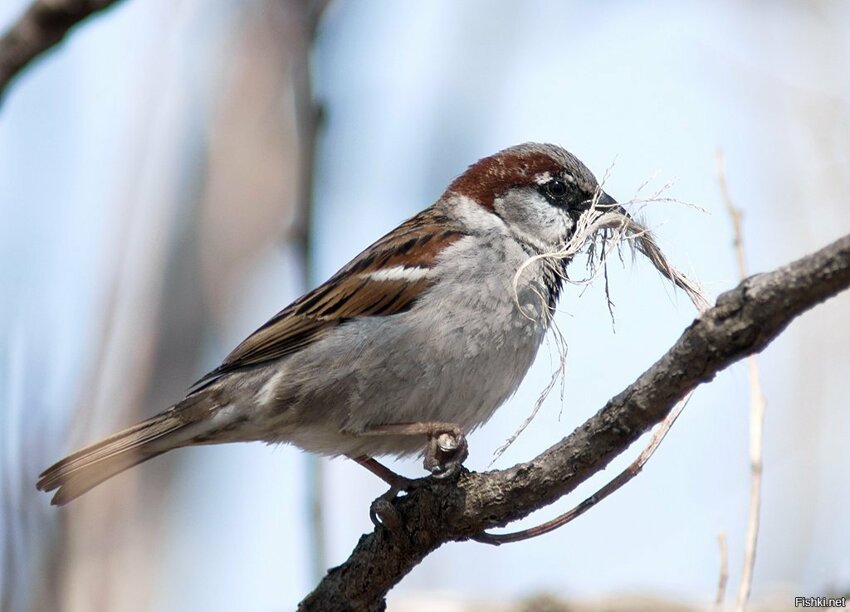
[{"x": 456, "y": 363}]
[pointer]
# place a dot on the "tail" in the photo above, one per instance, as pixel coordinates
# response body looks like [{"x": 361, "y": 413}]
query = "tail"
[{"x": 90, "y": 466}]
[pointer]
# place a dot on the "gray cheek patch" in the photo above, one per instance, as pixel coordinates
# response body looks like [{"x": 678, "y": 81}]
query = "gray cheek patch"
[{"x": 534, "y": 221}]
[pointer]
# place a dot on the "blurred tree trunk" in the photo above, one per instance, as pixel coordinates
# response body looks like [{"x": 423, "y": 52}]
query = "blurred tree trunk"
[{"x": 213, "y": 194}]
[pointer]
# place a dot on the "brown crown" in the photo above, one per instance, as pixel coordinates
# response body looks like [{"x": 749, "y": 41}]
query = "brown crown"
[{"x": 488, "y": 178}]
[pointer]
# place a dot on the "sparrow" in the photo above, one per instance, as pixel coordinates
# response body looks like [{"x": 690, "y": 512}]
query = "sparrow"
[{"x": 409, "y": 347}]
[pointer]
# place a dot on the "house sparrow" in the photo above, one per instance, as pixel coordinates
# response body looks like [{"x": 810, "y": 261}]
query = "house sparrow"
[{"x": 410, "y": 346}]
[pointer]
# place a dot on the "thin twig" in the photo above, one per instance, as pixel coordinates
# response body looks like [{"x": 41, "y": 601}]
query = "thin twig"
[
  {"x": 618, "y": 481},
  {"x": 43, "y": 25},
  {"x": 734, "y": 214},
  {"x": 723, "y": 578},
  {"x": 757, "y": 406},
  {"x": 310, "y": 114}
]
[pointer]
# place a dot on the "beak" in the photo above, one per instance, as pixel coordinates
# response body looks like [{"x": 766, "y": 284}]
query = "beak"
[
  {"x": 607, "y": 203},
  {"x": 604, "y": 203}
]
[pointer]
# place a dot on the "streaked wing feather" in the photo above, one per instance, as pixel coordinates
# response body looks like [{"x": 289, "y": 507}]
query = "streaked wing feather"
[{"x": 349, "y": 293}]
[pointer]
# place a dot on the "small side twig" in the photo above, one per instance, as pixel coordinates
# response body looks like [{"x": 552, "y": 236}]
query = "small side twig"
[
  {"x": 43, "y": 25},
  {"x": 310, "y": 115},
  {"x": 618, "y": 481},
  {"x": 723, "y": 577},
  {"x": 757, "y": 407}
]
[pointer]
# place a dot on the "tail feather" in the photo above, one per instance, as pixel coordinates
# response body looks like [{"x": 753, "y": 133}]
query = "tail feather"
[{"x": 90, "y": 466}]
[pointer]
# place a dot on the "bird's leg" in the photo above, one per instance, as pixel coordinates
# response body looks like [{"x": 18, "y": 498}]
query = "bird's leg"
[
  {"x": 447, "y": 448},
  {"x": 399, "y": 482},
  {"x": 381, "y": 512},
  {"x": 444, "y": 456}
]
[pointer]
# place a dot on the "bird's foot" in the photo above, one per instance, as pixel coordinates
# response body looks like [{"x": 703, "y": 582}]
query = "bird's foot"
[
  {"x": 446, "y": 451},
  {"x": 382, "y": 512}
]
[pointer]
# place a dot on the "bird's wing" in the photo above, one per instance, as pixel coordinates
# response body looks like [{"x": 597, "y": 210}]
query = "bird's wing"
[{"x": 383, "y": 280}]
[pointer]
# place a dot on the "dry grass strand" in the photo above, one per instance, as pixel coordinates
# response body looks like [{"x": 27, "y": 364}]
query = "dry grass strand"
[{"x": 600, "y": 231}]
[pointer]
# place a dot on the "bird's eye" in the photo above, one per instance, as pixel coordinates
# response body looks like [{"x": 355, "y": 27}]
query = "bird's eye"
[{"x": 556, "y": 188}]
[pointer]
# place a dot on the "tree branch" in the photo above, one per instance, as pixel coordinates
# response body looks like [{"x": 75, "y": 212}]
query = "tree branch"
[
  {"x": 744, "y": 321},
  {"x": 43, "y": 25}
]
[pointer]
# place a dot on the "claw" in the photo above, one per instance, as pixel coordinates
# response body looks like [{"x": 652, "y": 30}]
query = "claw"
[{"x": 382, "y": 512}]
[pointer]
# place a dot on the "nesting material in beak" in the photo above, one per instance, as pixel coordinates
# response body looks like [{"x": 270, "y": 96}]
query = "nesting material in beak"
[
  {"x": 608, "y": 222},
  {"x": 611, "y": 223}
]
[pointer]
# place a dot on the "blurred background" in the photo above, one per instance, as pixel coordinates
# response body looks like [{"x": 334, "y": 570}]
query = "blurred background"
[{"x": 177, "y": 172}]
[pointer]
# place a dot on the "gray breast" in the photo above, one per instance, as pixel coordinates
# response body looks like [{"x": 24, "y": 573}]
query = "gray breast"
[{"x": 457, "y": 355}]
